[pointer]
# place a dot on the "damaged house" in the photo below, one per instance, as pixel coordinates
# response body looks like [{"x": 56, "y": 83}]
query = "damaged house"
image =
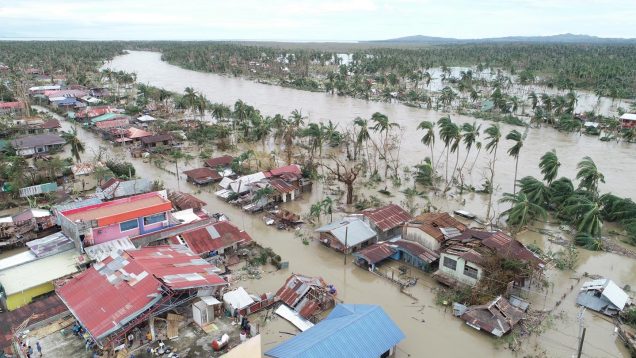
[
  {"x": 497, "y": 317},
  {"x": 604, "y": 296}
]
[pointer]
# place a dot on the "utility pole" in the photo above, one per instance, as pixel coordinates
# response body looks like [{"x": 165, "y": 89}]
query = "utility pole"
[
  {"x": 581, "y": 344},
  {"x": 345, "y": 248},
  {"x": 581, "y": 335}
]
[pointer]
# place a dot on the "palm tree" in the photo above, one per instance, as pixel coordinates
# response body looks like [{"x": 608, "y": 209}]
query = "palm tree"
[
  {"x": 522, "y": 210},
  {"x": 363, "y": 135},
  {"x": 298, "y": 118},
  {"x": 327, "y": 206},
  {"x": 190, "y": 98},
  {"x": 585, "y": 213},
  {"x": 534, "y": 190},
  {"x": 493, "y": 135},
  {"x": 471, "y": 133},
  {"x": 383, "y": 125},
  {"x": 559, "y": 191},
  {"x": 589, "y": 175},
  {"x": 262, "y": 193},
  {"x": 549, "y": 165},
  {"x": 176, "y": 156},
  {"x": 77, "y": 147},
  {"x": 429, "y": 136},
  {"x": 515, "y": 150}
]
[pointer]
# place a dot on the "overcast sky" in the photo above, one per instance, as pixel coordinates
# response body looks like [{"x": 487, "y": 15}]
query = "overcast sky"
[{"x": 301, "y": 20}]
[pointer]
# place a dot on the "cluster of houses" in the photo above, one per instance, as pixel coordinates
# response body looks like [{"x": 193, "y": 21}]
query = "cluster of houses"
[{"x": 119, "y": 262}]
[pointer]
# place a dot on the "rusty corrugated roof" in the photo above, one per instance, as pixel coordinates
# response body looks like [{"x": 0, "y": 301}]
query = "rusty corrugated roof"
[{"x": 387, "y": 217}]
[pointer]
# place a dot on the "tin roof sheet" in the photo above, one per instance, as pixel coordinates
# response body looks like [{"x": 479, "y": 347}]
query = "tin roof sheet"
[
  {"x": 387, "y": 217},
  {"x": 350, "y": 330},
  {"x": 352, "y": 230}
]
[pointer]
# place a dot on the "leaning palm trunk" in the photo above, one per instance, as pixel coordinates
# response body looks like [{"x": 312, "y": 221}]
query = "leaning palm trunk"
[
  {"x": 475, "y": 161},
  {"x": 492, "y": 186}
]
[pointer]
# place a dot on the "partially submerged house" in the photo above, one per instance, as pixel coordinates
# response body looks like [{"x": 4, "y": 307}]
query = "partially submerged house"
[
  {"x": 604, "y": 296},
  {"x": 126, "y": 289},
  {"x": 628, "y": 120},
  {"x": 410, "y": 252},
  {"x": 463, "y": 257},
  {"x": 432, "y": 229},
  {"x": 387, "y": 221},
  {"x": 125, "y": 217},
  {"x": 497, "y": 317},
  {"x": 183, "y": 201},
  {"x": 37, "y": 144},
  {"x": 347, "y": 235},
  {"x": 350, "y": 330},
  {"x": 221, "y": 163},
  {"x": 202, "y": 176},
  {"x": 157, "y": 141}
]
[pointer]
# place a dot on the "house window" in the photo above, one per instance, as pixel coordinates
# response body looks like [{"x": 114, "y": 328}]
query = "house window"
[
  {"x": 152, "y": 219},
  {"x": 128, "y": 225},
  {"x": 450, "y": 263},
  {"x": 470, "y": 271}
]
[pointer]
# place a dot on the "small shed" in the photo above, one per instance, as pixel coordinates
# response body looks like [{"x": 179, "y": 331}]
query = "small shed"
[
  {"x": 237, "y": 299},
  {"x": 205, "y": 310}
]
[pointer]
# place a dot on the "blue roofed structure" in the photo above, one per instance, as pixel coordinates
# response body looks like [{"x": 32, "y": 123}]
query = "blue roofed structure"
[{"x": 350, "y": 330}]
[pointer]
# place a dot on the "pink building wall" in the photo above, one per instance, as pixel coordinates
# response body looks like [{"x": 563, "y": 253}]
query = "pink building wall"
[{"x": 113, "y": 232}]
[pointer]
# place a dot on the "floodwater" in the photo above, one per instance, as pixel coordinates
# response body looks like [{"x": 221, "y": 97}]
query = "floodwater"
[{"x": 430, "y": 330}]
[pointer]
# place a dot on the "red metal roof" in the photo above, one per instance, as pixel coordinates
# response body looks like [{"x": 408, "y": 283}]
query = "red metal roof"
[
  {"x": 295, "y": 288},
  {"x": 281, "y": 186},
  {"x": 293, "y": 169},
  {"x": 431, "y": 223},
  {"x": 224, "y": 160},
  {"x": 214, "y": 237},
  {"x": 118, "y": 289},
  {"x": 204, "y": 173},
  {"x": 387, "y": 217},
  {"x": 176, "y": 266},
  {"x": 186, "y": 201},
  {"x": 376, "y": 252},
  {"x": 91, "y": 112},
  {"x": 508, "y": 247},
  {"x": 50, "y": 124},
  {"x": 10, "y": 105},
  {"x": 101, "y": 305}
]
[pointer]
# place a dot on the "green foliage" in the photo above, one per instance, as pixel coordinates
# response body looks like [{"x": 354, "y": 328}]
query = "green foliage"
[
  {"x": 121, "y": 169},
  {"x": 587, "y": 241}
]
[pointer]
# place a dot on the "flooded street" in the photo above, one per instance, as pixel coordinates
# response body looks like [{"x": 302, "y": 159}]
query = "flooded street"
[{"x": 430, "y": 329}]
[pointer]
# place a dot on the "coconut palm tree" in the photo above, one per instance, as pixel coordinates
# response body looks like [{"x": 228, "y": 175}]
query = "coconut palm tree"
[
  {"x": 77, "y": 147},
  {"x": 429, "y": 135},
  {"x": 493, "y": 136},
  {"x": 559, "y": 191},
  {"x": 363, "y": 135},
  {"x": 589, "y": 175},
  {"x": 190, "y": 98},
  {"x": 515, "y": 150},
  {"x": 327, "y": 207},
  {"x": 585, "y": 213},
  {"x": 470, "y": 135},
  {"x": 549, "y": 165},
  {"x": 534, "y": 190},
  {"x": 522, "y": 211}
]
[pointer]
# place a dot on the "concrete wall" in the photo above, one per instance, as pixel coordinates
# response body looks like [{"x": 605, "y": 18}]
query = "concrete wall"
[{"x": 458, "y": 273}]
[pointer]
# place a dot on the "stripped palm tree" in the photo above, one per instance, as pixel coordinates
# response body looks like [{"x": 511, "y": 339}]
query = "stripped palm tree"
[
  {"x": 428, "y": 138},
  {"x": 515, "y": 150},
  {"x": 493, "y": 136}
]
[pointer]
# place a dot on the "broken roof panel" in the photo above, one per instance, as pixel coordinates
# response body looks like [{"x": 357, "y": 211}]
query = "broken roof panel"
[
  {"x": 376, "y": 252},
  {"x": 497, "y": 317},
  {"x": 215, "y": 237},
  {"x": 433, "y": 223}
]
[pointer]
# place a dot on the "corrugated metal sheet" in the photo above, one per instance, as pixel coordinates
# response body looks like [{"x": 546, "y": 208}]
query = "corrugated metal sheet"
[
  {"x": 387, "y": 217},
  {"x": 349, "y": 331},
  {"x": 375, "y": 253},
  {"x": 214, "y": 237},
  {"x": 354, "y": 231},
  {"x": 50, "y": 245},
  {"x": 38, "y": 189}
]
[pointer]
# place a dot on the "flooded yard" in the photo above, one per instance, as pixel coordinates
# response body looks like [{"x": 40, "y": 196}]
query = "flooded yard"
[{"x": 430, "y": 329}]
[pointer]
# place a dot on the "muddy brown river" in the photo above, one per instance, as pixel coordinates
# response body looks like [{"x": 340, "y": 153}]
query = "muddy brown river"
[{"x": 430, "y": 330}]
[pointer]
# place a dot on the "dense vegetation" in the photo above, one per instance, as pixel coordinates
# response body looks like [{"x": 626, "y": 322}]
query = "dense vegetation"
[{"x": 606, "y": 69}]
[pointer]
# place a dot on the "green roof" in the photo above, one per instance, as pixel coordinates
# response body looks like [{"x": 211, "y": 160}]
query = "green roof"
[{"x": 106, "y": 117}]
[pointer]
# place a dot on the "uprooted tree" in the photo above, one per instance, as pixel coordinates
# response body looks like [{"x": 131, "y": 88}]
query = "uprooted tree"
[{"x": 345, "y": 174}]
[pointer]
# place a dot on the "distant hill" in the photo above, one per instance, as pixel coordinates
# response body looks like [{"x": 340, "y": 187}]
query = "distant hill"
[{"x": 562, "y": 38}]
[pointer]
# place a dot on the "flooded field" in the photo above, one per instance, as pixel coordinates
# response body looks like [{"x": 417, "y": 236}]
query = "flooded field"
[{"x": 430, "y": 329}]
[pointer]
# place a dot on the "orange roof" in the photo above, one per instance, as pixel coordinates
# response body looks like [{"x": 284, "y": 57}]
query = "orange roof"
[{"x": 121, "y": 210}]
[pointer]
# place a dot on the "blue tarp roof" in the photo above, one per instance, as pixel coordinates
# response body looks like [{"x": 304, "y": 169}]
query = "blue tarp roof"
[{"x": 350, "y": 331}]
